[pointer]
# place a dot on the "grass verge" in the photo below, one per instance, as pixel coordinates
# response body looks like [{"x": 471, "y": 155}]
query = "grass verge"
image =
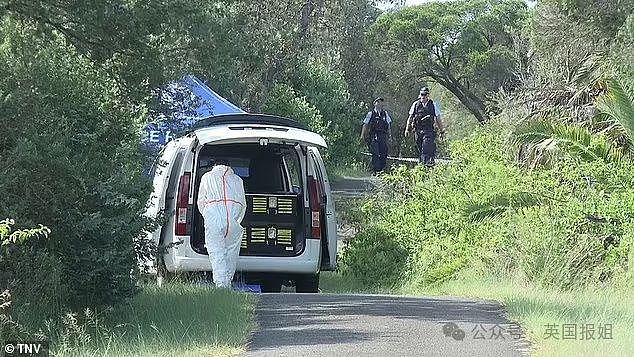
[
  {"x": 178, "y": 319},
  {"x": 534, "y": 308}
]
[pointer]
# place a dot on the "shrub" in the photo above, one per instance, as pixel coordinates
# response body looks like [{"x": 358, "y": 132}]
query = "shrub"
[
  {"x": 374, "y": 258},
  {"x": 30, "y": 278},
  {"x": 68, "y": 149},
  {"x": 318, "y": 97}
]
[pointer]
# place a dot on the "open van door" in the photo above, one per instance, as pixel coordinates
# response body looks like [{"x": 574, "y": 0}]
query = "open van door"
[
  {"x": 258, "y": 133},
  {"x": 265, "y": 129},
  {"x": 327, "y": 214},
  {"x": 161, "y": 172}
]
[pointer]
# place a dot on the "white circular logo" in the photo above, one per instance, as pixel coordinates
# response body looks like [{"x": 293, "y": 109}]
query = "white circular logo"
[{"x": 9, "y": 349}]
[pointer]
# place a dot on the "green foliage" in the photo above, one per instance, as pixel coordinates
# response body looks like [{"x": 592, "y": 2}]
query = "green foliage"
[
  {"x": 75, "y": 93},
  {"x": 564, "y": 226},
  {"x": 38, "y": 291},
  {"x": 25, "y": 274},
  {"x": 329, "y": 93},
  {"x": 499, "y": 204},
  {"x": 560, "y": 46},
  {"x": 616, "y": 113},
  {"x": 70, "y": 147},
  {"x": 578, "y": 100},
  {"x": 284, "y": 101},
  {"x": 540, "y": 142},
  {"x": 606, "y": 16},
  {"x": 622, "y": 51},
  {"x": 374, "y": 259},
  {"x": 320, "y": 99},
  {"x": 20, "y": 236}
]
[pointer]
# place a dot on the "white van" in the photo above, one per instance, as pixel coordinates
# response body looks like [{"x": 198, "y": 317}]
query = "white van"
[{"x": 290, "y": 227}]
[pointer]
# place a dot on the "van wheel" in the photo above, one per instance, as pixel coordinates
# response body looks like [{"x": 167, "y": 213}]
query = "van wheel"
[
  {"x": 271, "y": 286},
  {"x": 307, "y": 283}
]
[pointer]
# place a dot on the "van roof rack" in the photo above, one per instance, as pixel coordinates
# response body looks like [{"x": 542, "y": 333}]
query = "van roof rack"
[{"x": 246, "y": 119}]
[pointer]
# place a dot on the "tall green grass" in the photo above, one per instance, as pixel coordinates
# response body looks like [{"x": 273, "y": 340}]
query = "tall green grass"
[
  {"x": 553, "y": 248},
  {"x": 177, "y": 319}
]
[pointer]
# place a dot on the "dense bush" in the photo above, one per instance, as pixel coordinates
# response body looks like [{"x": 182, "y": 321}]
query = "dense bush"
[
  {"x": 566, "y": 226},
  {"x": 283, "y": 100},
  {"x": 27, "y": 273},
  {"x": 546, "y": 193},
  {"x": 328, "y": 91},
  {"x": 69, "y": 160}
]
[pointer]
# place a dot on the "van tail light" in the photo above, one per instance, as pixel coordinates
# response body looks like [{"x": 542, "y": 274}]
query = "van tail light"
[
  {"x": 315, "y": 208},
  {"x": 182, "y": 202}
]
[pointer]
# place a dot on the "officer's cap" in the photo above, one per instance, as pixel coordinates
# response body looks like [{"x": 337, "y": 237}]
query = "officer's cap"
[{"x": 379, "y": 99}]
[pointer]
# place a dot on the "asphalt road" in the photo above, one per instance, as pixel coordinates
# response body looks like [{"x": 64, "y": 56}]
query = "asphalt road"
[{"x": 378, "y": 325}]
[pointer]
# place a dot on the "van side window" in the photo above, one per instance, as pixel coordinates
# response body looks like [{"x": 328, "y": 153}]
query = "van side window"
[
  {"x": 291, "y": 162},
  {"x": 320, "y": 176},
  {"x": 174, "y": 175}
]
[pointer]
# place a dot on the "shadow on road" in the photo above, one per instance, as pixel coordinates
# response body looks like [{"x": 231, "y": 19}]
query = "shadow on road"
[{"x": 301, "y": 319}]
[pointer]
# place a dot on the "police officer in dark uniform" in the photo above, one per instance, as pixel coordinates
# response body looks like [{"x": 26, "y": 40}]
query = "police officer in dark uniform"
[
  {"x": 377, "y": 133},
  {"x": 423, "y": 114}
]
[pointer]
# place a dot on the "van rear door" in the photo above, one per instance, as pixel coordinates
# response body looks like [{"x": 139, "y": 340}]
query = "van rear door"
[
  {"x": 160, "y": 171},
  {"x": 328, "y": 222},
  {"x": 259, "y": 133}
]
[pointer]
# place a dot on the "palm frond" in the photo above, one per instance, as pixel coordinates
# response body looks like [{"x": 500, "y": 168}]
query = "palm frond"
[
  {"x": 616, "y": 108},
  {"x": 585, "y": 79},
  {"x": 482, "y": 212},
  {"x": 577, "y": 140},
  {"x": 543, "y": 140}
]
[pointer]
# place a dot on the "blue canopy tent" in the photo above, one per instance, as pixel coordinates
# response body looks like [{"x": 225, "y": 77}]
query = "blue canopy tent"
[
  {"x": 189, "y": 101},
  {"x": 199, "y": 102},
  {"x": 216, "y": 105}
]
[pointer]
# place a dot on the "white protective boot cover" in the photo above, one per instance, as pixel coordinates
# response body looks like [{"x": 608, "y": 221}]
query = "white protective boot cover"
[{"x": 222, "y": 203}]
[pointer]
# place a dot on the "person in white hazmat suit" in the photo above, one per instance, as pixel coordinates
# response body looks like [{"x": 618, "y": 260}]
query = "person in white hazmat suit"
[{"x": 222, "y": 203}]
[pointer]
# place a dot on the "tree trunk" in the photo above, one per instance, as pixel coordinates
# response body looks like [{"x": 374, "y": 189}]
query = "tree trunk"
[
  {"x": 304, "y": 21},
  {"x": 474, "y": 104}
]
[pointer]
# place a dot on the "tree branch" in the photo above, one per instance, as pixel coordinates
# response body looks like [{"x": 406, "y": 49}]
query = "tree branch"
[{"x": 71, "y": 35}]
